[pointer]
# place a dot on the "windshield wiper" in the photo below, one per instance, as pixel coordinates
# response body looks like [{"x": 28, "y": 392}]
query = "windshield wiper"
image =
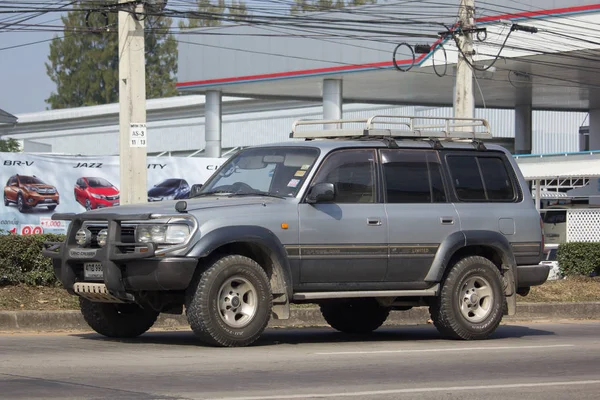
[
  {"x": 209, "y": 193},
  {"x": 258, "y": 193}
]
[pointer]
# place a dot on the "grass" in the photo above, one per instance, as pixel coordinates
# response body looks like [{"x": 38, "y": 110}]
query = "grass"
[{"x": 23, "y": 297}]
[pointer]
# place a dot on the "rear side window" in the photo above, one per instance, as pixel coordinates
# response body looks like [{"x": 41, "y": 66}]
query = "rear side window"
[
  {"x": 481, "y": 178},
  {"x": 412, "y": 177}
]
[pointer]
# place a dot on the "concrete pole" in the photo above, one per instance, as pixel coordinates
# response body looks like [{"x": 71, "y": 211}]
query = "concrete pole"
[
  {"x": 523, "y": 129},
  {"x": 132, "y": 112},
  {"x": 594, "y": 135},
  {"x": 332, "y": 100},
  {"x": 213, "y": 123},
  {"x": 464, "y": 103}
]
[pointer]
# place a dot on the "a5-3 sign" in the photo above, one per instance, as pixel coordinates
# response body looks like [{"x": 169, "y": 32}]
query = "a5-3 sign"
[{"x": 137, "y": 135}]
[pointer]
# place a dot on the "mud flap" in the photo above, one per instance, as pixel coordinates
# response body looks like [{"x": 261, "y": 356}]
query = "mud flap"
[{"x": 508, "y": 278}]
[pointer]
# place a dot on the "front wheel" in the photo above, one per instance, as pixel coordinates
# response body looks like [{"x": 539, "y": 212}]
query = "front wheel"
[
  {"x": 471, "y": 301},
  {"x": 21, "y": 206},
  {"x": 230, "y": 303},
  {"x": 117, "y": 320},
  {"x": 51, "y": 208},
  {"x": 354, "y": 315}
]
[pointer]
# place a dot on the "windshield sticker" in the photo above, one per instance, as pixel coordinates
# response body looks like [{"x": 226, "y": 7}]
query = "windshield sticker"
[
  {"x": 294, "y": 183},
  {"x": 305, "y": 167},
  {"x": 300, "y": 173}
]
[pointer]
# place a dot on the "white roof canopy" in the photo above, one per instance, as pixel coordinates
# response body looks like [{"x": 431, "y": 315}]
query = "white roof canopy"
[{"x": 561, "y": 166}]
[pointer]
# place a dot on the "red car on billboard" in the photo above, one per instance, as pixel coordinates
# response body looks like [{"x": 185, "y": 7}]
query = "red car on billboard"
[{"x": 92, "y": 193}]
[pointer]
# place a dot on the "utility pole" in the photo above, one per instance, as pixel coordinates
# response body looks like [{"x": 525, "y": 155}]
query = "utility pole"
[
  {"x": 132, "y": 101},
  {"x": 464, "y": 103}
]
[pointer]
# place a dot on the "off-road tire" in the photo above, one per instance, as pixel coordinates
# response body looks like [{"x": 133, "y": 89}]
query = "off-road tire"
[
  {"x": 203, "y": 302},
  {"x": 357, "y": 316},
  {"x": 117, "y": 320},
  {"x": 446, "y": 311}
]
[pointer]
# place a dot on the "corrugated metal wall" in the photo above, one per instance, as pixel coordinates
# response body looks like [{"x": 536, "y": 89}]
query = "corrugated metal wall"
[{"x": 552, "y": 131}]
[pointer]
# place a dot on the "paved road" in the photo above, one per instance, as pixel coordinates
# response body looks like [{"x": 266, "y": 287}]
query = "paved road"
[{"x": 535, "y": 361}]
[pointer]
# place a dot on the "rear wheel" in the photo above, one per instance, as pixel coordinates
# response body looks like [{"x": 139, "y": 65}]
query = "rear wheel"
[
  {"x": 230, "y": 303},
  {"x": 471, "y": 302},
  {"x": 354, "y": 315},
  {"x": 117, "y": 320}
]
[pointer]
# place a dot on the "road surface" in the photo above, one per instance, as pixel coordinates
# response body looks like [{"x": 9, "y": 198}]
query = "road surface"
[{"x": 525, "y": 361}]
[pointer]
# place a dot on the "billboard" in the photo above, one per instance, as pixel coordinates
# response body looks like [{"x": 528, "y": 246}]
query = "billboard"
[{"x": 37, "y": 186}]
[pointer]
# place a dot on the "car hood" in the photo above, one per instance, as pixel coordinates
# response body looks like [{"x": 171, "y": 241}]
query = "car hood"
[
  {"x": 161, "y": 191},
  {"x": 106, "y": 191},
  {"x": 205, "y": 203}
]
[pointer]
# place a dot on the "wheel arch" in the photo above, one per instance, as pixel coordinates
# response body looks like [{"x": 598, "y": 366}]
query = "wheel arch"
[
  {"x": 489, "y": 244},
  {"x": 262, "y": 246}
]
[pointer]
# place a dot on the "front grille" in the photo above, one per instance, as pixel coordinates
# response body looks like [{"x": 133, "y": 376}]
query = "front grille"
[
  {"x": 46, "y": 191},
  {"x": 127, "y": 235},
  {"x": 112, "y": 197}
]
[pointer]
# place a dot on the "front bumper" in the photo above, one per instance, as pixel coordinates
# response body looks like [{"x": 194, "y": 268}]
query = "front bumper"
[
  {"x": 532, "y": 275},
  {"x": 127, "y": 267},
  {"x": 42, "y": 201}
]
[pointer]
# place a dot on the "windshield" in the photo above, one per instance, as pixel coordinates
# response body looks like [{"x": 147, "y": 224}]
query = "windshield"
[
  {"x": 30, "y": 180},
  {"x": 99, "y": 183},
  {"x": 169, "y": 183},
  {"x": 277, "y": 171}
]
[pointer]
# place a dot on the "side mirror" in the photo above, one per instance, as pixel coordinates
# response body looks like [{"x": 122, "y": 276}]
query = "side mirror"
[
  {"x": 195, "y": 189},
  {"x": 320, "y": 193}
]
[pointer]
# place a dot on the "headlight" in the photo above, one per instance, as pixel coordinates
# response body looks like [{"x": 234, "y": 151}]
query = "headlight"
[
  {"x": 102, "y": 237},
  {"x": 98, "y": 196},
  {"x": 83, "y": 237},
  {"x": 162, "y": 234},
  {"x": 31, "y": 188}
]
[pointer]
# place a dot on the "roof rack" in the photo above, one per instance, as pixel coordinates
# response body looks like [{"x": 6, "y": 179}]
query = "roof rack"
[{"x": 393, "y": 126}]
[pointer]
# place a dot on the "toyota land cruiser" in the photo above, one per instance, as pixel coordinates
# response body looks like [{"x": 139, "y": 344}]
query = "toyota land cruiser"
[{"x": 362, "y": 218}]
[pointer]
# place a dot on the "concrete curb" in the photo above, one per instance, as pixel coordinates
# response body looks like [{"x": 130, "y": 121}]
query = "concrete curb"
[{"x": 57, "y": 321}]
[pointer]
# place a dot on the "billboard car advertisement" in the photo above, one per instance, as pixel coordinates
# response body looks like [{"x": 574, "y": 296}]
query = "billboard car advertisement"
[{"x": 37, "y": 186}]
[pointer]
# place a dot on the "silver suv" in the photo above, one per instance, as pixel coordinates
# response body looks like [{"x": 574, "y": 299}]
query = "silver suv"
[{"x": 361, "y": 220}]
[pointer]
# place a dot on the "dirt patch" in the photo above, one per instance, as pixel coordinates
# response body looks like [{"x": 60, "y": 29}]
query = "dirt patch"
[
  {"x": 22, "y": 297},
  {"x": 40, "y": 298},
  {"x": 574, "y": 289}
]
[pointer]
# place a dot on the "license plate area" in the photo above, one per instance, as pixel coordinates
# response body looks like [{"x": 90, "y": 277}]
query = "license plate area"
[{"x": 93, "y": 271}]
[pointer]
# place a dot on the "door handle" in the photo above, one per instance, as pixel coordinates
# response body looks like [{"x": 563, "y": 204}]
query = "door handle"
[
  {"x": 374, "y": 221},
  {"x": 447, "y": 220}
]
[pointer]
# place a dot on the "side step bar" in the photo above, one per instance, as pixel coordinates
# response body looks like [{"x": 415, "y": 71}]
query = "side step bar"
[
  {"x": 431, "y": 292},
  {"x": 96, "y": 292}
]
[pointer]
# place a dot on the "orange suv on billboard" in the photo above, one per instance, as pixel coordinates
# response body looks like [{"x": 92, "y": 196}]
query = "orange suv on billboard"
[{"x": 30, "y": 191}]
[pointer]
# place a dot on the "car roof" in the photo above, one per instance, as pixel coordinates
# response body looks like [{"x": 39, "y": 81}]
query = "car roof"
[{"x": 327, "y": 145}]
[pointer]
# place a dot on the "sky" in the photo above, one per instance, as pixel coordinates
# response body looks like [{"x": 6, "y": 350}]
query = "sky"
[{"x": 24, "y": 85}]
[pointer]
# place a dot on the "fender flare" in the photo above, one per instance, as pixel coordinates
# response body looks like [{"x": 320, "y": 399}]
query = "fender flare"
[
  {"x": 281, "y": 281},
  {"x": 461, "y": 239}
]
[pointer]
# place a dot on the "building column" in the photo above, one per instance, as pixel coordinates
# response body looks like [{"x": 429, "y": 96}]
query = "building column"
[
  {"x": 332, "y": 100},
  {"x": 523, "y": 129},
  {"x": 213, "y": 123},
  {"x": 594, "y": 131}
]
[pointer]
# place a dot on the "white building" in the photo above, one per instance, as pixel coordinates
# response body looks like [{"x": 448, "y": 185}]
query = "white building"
[{"x": 176, "y": 125}]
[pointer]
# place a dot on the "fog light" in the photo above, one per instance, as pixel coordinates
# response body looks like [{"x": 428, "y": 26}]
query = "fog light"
[
  {"x": 102, "y": 237},
  {"x": 83, "y": 237}
]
